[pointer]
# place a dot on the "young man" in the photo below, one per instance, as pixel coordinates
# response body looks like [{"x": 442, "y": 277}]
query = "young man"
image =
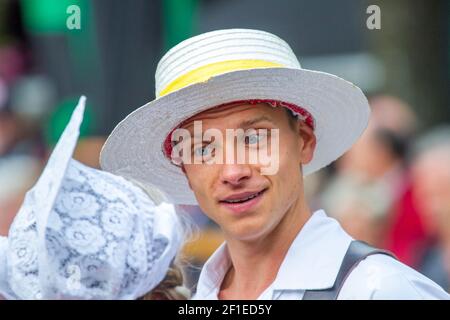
[{"x": 236, "y": 125}]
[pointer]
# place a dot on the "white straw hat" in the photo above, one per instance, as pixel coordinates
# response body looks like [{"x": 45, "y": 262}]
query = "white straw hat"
[
  {"x": 83, "y": 233},
  {"x": 220, "y": 67}
]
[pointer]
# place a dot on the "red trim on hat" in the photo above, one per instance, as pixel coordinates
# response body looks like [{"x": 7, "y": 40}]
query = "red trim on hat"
[{"x": 307, "y": 117}]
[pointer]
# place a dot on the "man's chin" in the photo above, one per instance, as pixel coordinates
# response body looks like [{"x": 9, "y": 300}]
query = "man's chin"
[
  {"x": 248, "y": 237},
  {"x": 247, "y": 231}
]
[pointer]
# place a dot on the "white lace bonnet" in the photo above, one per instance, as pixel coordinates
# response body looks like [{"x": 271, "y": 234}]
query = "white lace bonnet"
[{"x": 83, "y": 233}]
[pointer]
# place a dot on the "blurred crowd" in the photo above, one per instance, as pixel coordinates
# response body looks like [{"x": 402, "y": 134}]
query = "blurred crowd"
[
  {"x": 31, "y": 120},
  {"x": 392, "y": 189}
]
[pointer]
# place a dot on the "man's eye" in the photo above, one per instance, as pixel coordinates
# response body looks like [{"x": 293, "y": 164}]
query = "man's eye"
[
  {"x": 202, "y": 151},
  {"x": 252, "y": 139}
]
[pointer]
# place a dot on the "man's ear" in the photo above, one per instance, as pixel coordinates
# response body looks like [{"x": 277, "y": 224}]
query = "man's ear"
[{"x": 307, "y": 142}]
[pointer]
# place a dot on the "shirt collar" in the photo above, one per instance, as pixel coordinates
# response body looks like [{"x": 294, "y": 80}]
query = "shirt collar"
[
  {"x": 311, "y": 263},
  {"x": 315, "y": 256},
  {"x": 212, "y": 273}
]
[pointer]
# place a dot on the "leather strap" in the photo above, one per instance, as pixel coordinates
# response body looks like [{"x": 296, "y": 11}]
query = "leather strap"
[{"x": 356, "y": 252}]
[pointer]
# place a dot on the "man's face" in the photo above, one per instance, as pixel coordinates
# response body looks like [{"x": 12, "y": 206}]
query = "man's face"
[{"x": 244, "y": 202}]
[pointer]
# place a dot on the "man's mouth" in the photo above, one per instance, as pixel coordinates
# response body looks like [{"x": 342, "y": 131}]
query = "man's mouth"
[
  {"x": 242, "y": 197},
  {"x": 241, "y": 203}
]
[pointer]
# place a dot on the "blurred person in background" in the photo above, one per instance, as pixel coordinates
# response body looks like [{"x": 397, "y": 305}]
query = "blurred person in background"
[
  {"x": 22, "y": 149},
  {"x": 431, "y": 195},
  {"x": 20, "y": 152},
  {"x": 370, "y": 191},
  {"x": 30, "y": 125},
  {"x": 12, "y": 67}
]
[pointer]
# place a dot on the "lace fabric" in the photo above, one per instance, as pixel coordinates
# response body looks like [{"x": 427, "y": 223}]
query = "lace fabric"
[{"x": 83, "y": 233}]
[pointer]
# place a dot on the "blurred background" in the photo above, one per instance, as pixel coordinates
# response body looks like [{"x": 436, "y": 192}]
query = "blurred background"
[{"x": 392, "y": 189}]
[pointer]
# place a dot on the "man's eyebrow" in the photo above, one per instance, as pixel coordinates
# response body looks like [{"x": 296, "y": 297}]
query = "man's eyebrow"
[
  {"x": 243, "y": 124},
  {"x": 251, "y": 122}
]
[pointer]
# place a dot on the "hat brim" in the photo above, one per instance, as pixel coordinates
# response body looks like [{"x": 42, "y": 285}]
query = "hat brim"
[{"x": 135, "y": 147}]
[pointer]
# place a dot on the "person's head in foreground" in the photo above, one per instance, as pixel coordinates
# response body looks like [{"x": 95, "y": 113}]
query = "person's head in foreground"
[
  {"x": 86, "y": 234},
  {"x": 236, "y": 125}
]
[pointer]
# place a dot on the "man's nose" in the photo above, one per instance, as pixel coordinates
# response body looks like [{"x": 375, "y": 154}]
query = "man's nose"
[{"x": 235, "y": 174}]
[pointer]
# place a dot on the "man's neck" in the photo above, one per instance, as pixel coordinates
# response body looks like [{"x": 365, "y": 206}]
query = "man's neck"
[{"x": 255, "y": 264}]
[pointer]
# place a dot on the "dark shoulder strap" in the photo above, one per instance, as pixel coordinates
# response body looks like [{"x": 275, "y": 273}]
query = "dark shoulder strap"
[{"x": 356, "y": 252}]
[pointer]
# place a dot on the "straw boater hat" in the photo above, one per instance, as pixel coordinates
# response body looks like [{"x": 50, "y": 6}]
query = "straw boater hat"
[{"x": 218, "y": 68}]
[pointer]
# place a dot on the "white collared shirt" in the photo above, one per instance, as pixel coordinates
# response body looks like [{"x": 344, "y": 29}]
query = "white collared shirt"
[{"x": 313, "y": 261}]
